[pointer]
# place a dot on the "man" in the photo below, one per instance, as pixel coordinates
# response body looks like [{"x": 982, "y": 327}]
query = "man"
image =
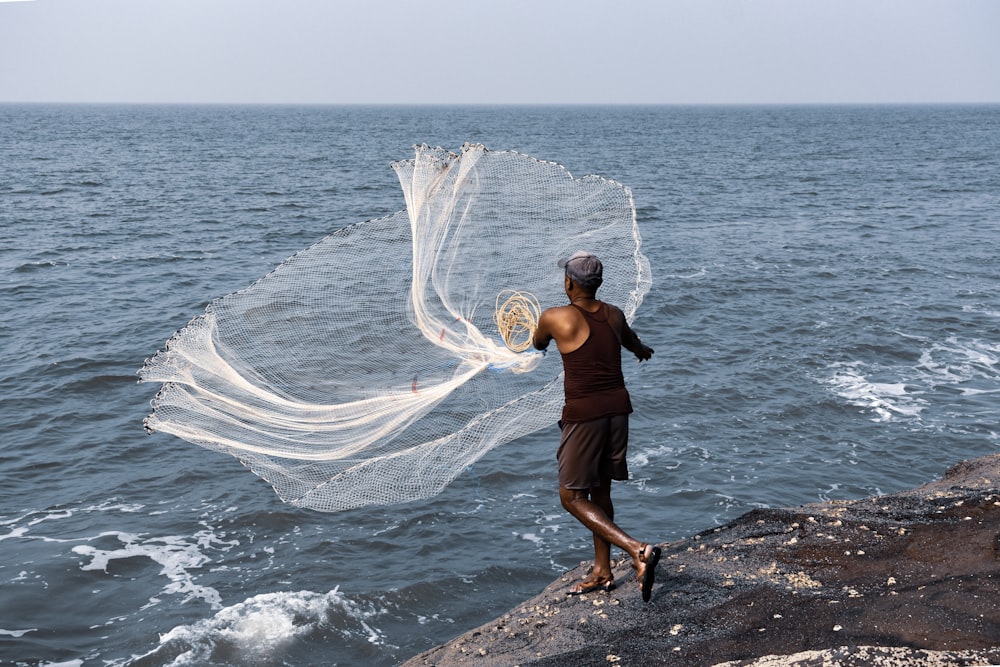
[{"x": 590, "y": 334}]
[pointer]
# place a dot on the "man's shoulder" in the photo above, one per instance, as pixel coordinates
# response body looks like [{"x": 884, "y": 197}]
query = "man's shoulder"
[
  {"x": 558, "y": 310},
  {"x": 559, "y": 317}
]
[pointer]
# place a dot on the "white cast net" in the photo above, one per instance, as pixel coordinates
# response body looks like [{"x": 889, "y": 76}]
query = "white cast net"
[{"x": 368, "y": 369}]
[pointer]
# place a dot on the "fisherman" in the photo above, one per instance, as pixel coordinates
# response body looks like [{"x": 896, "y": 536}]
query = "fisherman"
[{"x": 590, "y": 334}]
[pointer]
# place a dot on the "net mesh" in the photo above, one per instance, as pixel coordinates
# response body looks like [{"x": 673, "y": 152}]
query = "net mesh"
[{"x": 369, "y": 368}]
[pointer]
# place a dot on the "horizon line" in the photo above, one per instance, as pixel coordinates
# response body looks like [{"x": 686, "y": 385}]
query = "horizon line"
[{"x": 498, "y": 104}]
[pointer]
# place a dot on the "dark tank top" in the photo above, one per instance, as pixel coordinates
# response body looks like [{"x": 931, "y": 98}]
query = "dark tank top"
[{"x": 594, "y": 384}]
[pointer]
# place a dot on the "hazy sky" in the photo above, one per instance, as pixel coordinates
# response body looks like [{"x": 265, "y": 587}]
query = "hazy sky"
[{"x": 500, "y": 51}]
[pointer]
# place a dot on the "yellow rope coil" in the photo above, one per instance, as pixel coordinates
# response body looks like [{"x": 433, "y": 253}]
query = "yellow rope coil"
[{"x": 517, "y": 318}]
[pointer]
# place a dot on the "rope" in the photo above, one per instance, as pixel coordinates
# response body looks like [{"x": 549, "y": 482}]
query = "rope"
[{"x": 517, "y": 318}]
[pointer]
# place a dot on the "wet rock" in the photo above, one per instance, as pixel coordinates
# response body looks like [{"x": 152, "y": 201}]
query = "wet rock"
[{"x": 911, "y": 578}]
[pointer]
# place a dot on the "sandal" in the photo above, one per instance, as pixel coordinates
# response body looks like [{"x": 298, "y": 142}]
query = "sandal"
[
  {"x": 607, "y": 584},
  {"x": 649, "y": 573}
]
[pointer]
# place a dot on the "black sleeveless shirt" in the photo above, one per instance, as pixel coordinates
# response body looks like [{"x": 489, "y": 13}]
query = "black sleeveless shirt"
[{"x": 594, "y": 384}]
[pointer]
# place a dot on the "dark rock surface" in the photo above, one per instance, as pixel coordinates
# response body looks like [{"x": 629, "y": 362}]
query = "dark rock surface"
[{"x": 911, "y": 578}]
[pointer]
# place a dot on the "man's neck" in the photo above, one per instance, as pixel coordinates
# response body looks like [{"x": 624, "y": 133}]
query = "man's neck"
[{"x": 585, "y": 302}]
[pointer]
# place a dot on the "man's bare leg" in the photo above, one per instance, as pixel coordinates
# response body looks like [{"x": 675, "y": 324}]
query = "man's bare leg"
[
  {"x": 601, "y": 496},
  {"x": 606, "y": 532}
]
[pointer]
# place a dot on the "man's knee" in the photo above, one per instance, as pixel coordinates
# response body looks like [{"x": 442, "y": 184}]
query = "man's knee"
[{"x": 570, "y": 497}]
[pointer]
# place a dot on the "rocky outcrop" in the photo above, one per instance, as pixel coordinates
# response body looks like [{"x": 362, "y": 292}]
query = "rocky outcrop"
[{"x": 911, "y": 578}]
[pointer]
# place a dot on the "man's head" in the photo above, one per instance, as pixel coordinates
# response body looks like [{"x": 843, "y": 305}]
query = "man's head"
[{"x": 584, "y": 269}]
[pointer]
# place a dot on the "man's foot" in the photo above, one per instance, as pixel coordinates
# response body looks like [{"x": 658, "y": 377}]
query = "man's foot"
[
  {"x": 649, "y": 556},
  {"x": 606, "y": 584}
]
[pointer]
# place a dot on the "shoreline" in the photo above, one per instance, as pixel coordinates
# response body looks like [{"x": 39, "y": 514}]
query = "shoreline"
[{"x": 908, "y": 578}]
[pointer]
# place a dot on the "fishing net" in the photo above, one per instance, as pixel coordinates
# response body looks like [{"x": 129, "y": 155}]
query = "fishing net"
[{"x": 370, "y": 368}]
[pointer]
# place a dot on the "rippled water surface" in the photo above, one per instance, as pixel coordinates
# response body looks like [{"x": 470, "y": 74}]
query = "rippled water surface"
[{"x": 825, "y": 310}]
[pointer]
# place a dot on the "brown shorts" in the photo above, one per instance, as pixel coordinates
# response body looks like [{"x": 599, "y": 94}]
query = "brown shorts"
[{"x": 593, "y": 451}]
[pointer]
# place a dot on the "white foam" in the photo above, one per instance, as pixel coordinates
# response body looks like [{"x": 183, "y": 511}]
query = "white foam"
[
  {"x": 177, "y": 556},
  {"x": 260, "y": 626},
  {"x": 700, "y": 273},
  {"x": 35, "y": 517},
  {"x": 424, "y": 620},
  {"x": 640, "y": 458},
  {"x": 976, "y": 392},
  {"x": 966, "y": 367},
  {"x": 957, "y": 361},
  {"x": 16, "y": 633},
  {"x": 884, "y": 399},
  {"x": 15, "y": 532},
  {"x": 530, "y": 537},
  {"x": 981, "y": 311}
]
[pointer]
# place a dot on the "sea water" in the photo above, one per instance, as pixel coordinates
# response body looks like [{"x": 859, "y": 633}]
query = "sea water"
[{"x": 825, "y": 313}]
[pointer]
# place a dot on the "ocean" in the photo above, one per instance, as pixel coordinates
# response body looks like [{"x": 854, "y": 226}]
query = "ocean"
[{"x": 825, "y": 312}]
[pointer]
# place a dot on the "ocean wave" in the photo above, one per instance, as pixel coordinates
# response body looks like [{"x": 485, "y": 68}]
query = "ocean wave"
[
  {"x": 31, "y": 267},
  {"x": 955, "y": 366},
  {"x": 884, "y": 400},
  {"x": 252, "y": 632}
]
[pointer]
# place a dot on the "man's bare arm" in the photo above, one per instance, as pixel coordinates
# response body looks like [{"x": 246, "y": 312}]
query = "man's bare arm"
[
  {"x": 543, "y": 333},
  {"x": 631, "y": 342},
  {"x": 627, "y": 337}
]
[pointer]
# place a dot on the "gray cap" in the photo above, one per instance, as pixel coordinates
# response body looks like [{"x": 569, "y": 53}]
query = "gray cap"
[{"x": 583, "y": 268}]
